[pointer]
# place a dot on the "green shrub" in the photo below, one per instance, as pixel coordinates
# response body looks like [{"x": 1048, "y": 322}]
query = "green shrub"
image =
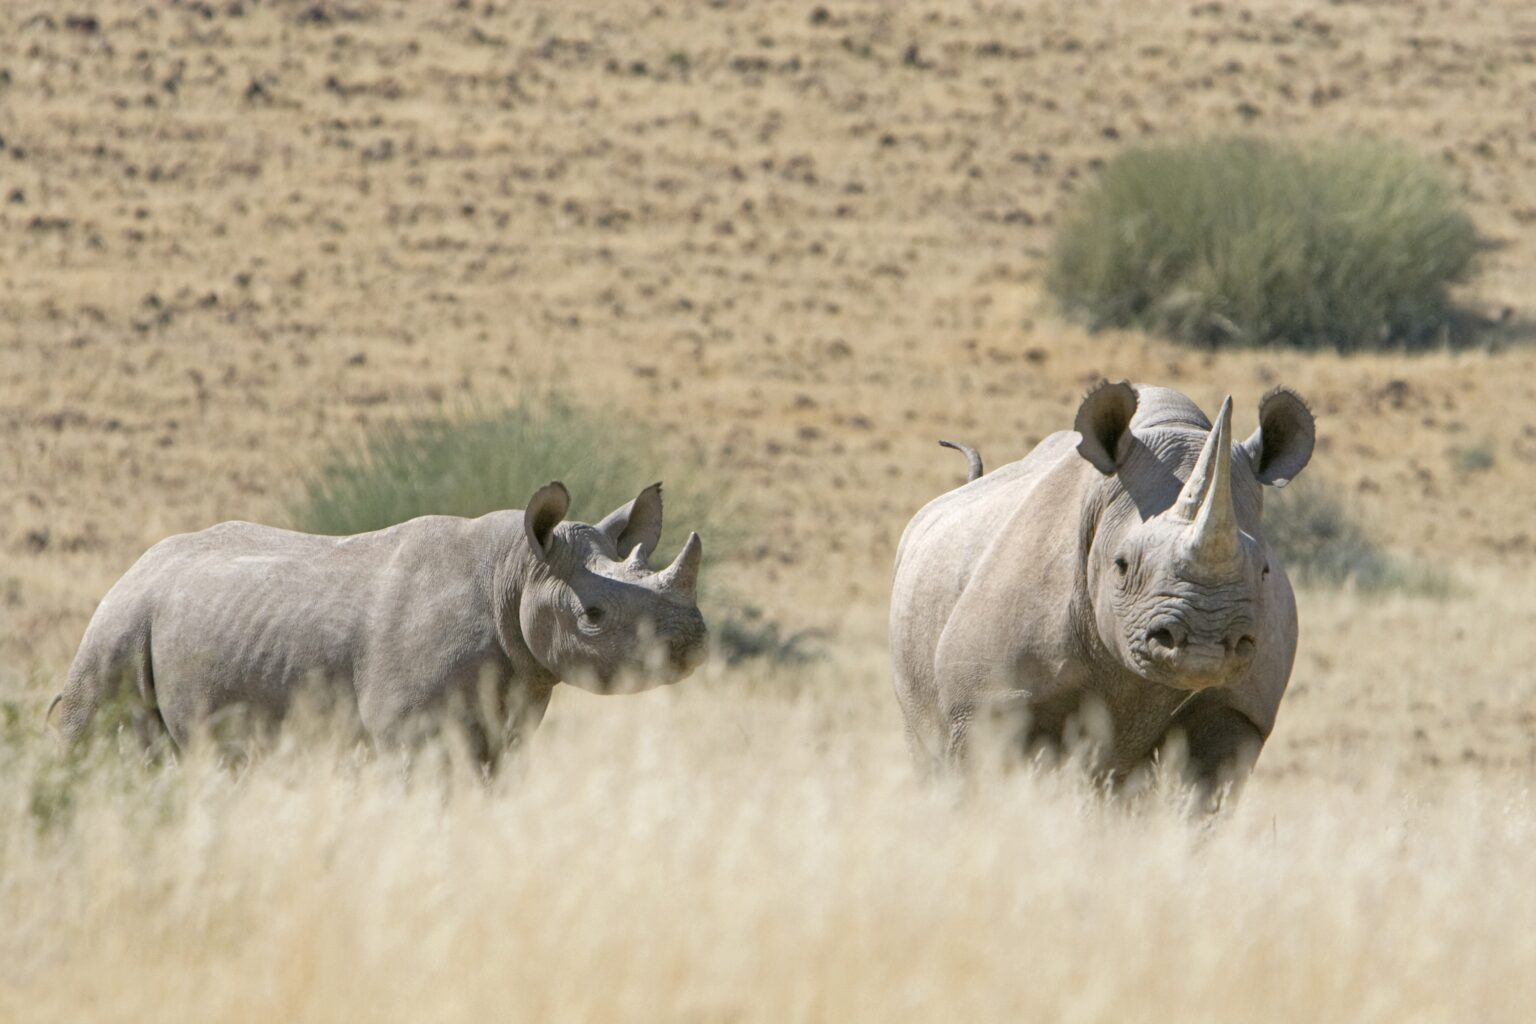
[
  {"x": 477, "y": 463},
  {"x": 1321, "y": 541},
  {"x": 1241, "y": 241}
]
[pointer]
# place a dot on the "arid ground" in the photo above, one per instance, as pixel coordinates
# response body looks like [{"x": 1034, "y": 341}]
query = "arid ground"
[{"x": 795, "y": 245}]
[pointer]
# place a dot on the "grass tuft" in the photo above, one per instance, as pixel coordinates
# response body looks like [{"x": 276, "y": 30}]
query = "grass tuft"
[{"x": 1249, "y": 242}]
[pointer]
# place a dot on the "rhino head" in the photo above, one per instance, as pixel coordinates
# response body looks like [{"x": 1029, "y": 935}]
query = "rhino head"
[
  {"x": 591, "y": 610},
  {"x": 1178, "y": 571}
]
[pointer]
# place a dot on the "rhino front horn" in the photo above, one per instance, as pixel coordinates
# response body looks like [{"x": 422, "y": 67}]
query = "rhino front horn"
[
  {"x": 1206, "y": 500},
  {"x": 682, "y": 576}
]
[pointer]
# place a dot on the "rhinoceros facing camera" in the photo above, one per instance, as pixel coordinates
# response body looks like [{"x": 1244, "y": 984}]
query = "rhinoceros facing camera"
[{"x": 1116, "y": 577}]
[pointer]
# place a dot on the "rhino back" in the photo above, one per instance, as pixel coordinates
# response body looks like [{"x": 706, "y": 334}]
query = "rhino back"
[{"x": 965, "y": 519}]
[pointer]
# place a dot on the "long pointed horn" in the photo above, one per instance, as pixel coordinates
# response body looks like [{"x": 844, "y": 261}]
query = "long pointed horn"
[
  {"x": 1206, "y": 500},
  {"x": 682, "y": 576}
]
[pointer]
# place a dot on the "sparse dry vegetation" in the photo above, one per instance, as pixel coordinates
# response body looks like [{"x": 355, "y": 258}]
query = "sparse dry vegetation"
[
  {"x": 791, "y": 248},
  {"x": 1323, "y": 542}
]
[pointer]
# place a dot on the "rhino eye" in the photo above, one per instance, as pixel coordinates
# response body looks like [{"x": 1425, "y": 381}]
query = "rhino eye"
[
  {"x": 593, "y": 615},
  {"x": 1121, "y": 565},
  {"x": 1266, "y": 570}
]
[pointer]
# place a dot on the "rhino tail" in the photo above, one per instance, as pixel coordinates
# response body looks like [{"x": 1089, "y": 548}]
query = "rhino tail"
[{"x": 972, "y": 457}]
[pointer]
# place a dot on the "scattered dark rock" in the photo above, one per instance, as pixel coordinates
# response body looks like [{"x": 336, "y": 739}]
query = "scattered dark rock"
[
  {"x": 749, "y": 65},
  {"x": 1395, "y": 393}
]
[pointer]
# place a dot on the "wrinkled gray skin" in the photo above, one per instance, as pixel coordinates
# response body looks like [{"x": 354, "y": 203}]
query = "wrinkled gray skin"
[
  {"x": 1113, "y": 584},
  {"x": 475, "y": 618}
]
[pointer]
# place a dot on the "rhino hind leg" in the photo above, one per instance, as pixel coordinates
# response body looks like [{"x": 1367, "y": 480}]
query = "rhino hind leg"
[{"x": 110, "y": 685}]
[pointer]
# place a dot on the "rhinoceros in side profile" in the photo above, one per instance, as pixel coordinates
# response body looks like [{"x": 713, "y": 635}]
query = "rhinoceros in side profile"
[
  {"x": 473, "y": 618},
  {"x": 1114, "y": 580}
]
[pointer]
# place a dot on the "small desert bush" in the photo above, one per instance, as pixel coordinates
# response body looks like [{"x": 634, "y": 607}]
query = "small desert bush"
[
  {"x": 747, "y": 633},
  {"x": 1241, "y": 241},
  {"x": 1322, "y": 541}
]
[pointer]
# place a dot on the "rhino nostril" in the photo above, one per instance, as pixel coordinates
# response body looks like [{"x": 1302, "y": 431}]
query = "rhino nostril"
[
  {"x": 1163, "y": 637},
  {"x": 1245, "y": 646}
]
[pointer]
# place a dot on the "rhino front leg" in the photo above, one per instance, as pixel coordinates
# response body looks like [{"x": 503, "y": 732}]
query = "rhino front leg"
[
  {"x": 488, "y": 711},
  {"x": 957, "y": 743},
  {"x": 924, "y": 764},
  {"x": 988, "y": 731},
  {"x": 504, "y": 721},
  {"x": 1222, "y": 744},
  {"x": 524, "y": 719}
]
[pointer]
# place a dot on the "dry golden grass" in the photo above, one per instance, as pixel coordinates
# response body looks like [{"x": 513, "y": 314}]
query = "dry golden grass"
[
  {"x": 798, "y": 252},
  {"x": 728, "y": 850}
]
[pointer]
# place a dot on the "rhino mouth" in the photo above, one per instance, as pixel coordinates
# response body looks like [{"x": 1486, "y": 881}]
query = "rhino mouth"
[
  {"x": 669, "y": 663},
  {"x": 686, "y": 660},
  {"x": 686, "y": 650}
]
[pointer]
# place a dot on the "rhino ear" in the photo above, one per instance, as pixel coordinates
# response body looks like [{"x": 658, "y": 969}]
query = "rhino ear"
[
  {"x": 1282, "y": 445},
  {"x": 636, "y": 524},
  {"x": 545, "y": 510},
  {"x": 1104, "y": 421}
]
